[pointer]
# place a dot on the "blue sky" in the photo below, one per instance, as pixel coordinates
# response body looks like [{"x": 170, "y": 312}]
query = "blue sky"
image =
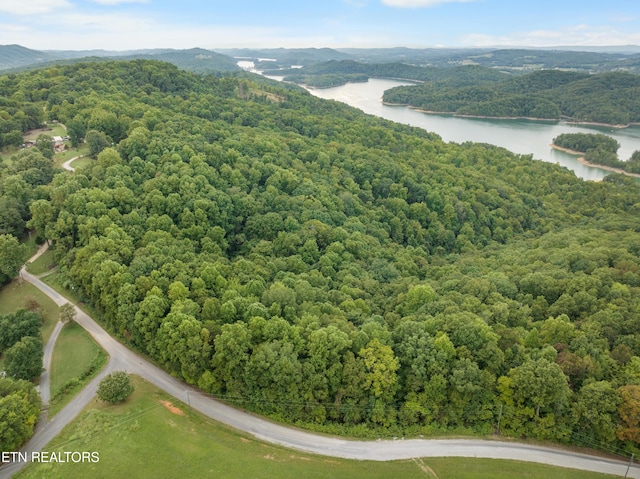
[{"x": 133, "y": 24}]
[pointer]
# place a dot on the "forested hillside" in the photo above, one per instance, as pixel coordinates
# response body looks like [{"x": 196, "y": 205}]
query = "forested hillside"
[
  {"x": 460, "y": 76},
  {"x": 611, "y": 98},
  {"x": 304, "y": 260},
  {"x": 14, "y": 58}
]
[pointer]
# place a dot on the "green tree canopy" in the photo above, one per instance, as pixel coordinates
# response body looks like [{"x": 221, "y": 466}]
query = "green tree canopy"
[{"x": 115, "y": 387}]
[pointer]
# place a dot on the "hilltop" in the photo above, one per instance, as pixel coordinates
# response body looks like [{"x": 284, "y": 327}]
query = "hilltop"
[{"x": 334, "y": 270}]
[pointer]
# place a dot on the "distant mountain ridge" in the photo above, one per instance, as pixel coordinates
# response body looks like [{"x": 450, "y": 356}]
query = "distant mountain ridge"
[
  {"x": 16, "y": 57},
  {"x": 514, "y": 60}
]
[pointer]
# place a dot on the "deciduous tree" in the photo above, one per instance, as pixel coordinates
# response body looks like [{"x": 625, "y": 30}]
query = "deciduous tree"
[{"x": 115, "y": 387}]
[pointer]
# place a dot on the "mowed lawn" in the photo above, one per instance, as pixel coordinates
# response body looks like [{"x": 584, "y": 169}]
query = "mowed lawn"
[
  {"x": 82, "y": 162},
  {"x": 42, "y": 264},
  {"x": 151, "y": 435},
  {"x": 70, "y": 152},
  {"x": 75, "y": 352},
  {"x": 16, "y": 294}
]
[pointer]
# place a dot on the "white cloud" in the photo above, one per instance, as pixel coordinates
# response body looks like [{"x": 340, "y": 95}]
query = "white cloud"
[
  {"x": 624, "y": 18},
  {"x": 33, "y": 7},
  {"x": 420, "y": 3},
  {"x": 579, "y": 35},
  {"x": 118, "y": 31},
  {"x": 6, "y": 27}
]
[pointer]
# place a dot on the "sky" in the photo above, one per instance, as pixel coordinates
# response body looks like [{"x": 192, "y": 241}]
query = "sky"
[{"x": 211, "y": 24}]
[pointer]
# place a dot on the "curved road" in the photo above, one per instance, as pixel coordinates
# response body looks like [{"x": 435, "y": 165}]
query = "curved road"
[
  {"x": 122, "y": 358},
  {"x": 67, "y": 164}
]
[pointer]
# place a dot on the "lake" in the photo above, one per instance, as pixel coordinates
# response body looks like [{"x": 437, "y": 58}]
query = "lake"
[{"x": 519, "y": 136}]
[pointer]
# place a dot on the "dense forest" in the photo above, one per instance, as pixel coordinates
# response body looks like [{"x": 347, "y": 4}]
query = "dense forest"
[
  {"x": 610, "y": 98},
  {"x": 331, "y": 269}
]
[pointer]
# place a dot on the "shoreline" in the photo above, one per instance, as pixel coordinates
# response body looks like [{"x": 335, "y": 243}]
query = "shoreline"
[
  {"x": 305, "y": 85},
  {"x": 479, "y": 117},
  {"x": 582, "y": 160},
  {"x": 365, "y": 81},
  {"x": 595, "y": 123},
  {"x": 485, "y": 117}
]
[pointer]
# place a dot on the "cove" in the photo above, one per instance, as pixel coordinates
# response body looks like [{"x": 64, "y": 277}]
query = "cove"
[{"x": 520, "y": 136}]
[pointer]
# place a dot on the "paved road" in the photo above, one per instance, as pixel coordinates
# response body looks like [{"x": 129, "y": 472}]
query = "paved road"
[
  {"x": 122, "y": 358},
  {"x": 67, "y": 164},
  {"x": 45, "y": 391}
]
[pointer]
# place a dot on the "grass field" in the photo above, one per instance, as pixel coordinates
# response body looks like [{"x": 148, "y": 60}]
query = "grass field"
[
  {"x": 42, "y": 264},
  {"x": 76, "y": 359},
  {"x": 82, "y": 162},
  {"x": 60, "y": 158},
  {"x": 52, "y": 129},
  {"x": 15, "y": 295},
  {"x": 7, "y": 152},
  {"x": 149, "y": 437}
]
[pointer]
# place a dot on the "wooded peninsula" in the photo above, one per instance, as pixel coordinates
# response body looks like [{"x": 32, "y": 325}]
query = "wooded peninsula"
[
  {"x": 611, "y": 98},
  {"x": 598, "y": 149}
]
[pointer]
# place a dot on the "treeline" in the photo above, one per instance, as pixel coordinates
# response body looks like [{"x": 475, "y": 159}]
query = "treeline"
[
  {"x": 336, "y": 270},
  {"x": 454, "y": 77},
  {"x": 20, "y": 184},
  {"x": 598, "y": 149},
  {"x": 327, "y": 80},
  {"x": 21, "y": 350},
  {"x": 519, "y": 59},
  {"x": 19, "y": 412},
  {"x": 610, "y": 98},
  {"x": 16, "y": 117},
  {"x": 21, "y": 344}
]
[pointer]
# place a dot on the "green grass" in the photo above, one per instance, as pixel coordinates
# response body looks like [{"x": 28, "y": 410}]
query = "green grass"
[
  {"x": 76, "y": 359},
  {"x": 82, "y": 162},
  {"x": 52, "y": 129},
  {"x": 42, "y": 264},
  {"x": 7, "y": 152},
  {"x": 465, "y": 468},
  {"x": 69, "y": 153},
  {"x": 142, "y": 438},
  {"x": 16, "y": 294},
  {"x": 29, "y": 240}
]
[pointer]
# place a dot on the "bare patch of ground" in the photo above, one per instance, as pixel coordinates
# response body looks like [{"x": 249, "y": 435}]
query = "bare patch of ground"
[{"x": 173, "y": 409}]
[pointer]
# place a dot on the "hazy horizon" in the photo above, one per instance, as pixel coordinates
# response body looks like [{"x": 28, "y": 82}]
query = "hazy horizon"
[
  {"x": 588, "y": 48},
  {"x": 121, "y": 25}
]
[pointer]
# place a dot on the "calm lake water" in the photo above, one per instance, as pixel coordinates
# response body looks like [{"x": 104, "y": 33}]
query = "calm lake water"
[{"x": 519, "y": 136}]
